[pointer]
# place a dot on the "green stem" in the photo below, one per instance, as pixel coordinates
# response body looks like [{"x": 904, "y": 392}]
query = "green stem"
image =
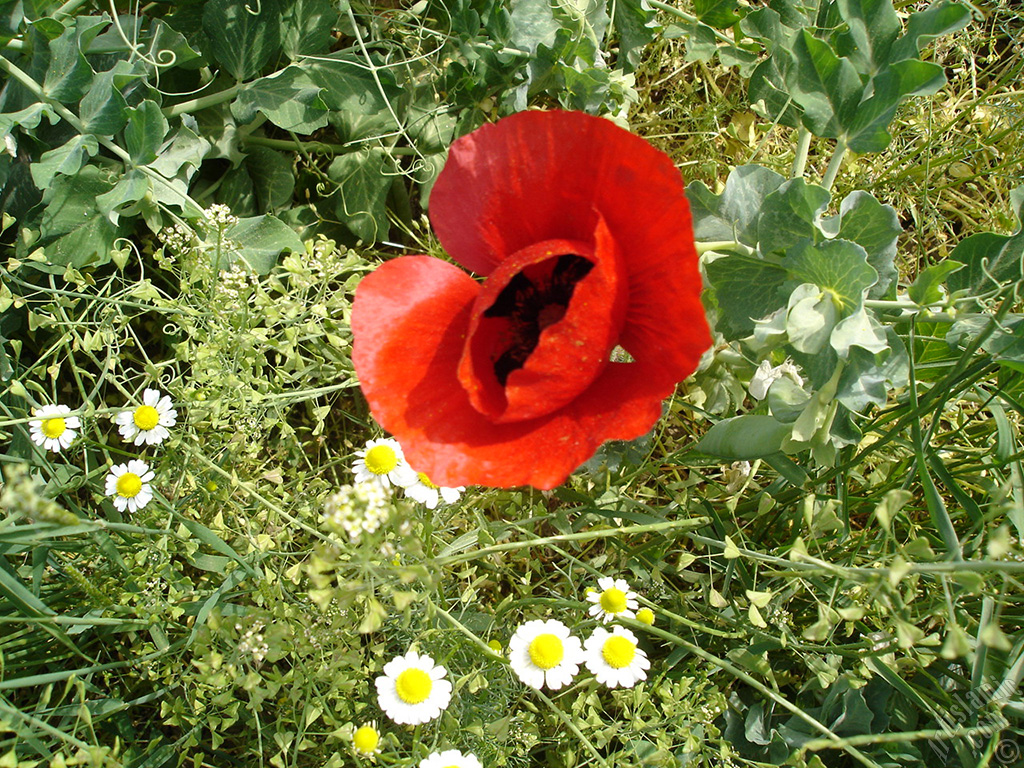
[
  {"x": 680, "y": 14},
  {"x": 834, "y": 165},
  {"x": 725, "y": 245},
  {"x": 202, "y": 102},
  {"x": 803, "y": 144},
  {"x": 694, "y": 522},
  {"x": 317, "y": 147}
]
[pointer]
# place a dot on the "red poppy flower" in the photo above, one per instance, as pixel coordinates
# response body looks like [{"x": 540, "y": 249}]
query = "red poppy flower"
[{"x": 583, "y": 235}]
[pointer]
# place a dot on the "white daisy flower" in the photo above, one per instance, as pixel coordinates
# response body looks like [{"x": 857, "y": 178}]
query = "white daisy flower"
[
  {"x": 450, "y": 758},
  {"x": 149, "y": 422},
  {"x": 542, "y": 652},
  {"x": 614, "y": 599},
  {"x": 129, "y": 485},
  {"x": 614, "y": 657},
  {"x": 53, "y": 429},
  {"x": 425, "y": 492},
  {"x": 366, "y": 740},
  {"x": 382, "y": 460},
  {"x": 412, "y": 689}
]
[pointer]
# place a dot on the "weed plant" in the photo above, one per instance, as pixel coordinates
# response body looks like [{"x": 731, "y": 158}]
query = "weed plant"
[{"x": 191, "y": 193}]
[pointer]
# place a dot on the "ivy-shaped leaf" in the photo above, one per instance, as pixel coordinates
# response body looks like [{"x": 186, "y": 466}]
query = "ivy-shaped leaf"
[
  {"x": 244, "y": 36},
  {"x": 733, "y": 214},
  {"x": 289, "y": 98},
  {"x": 838, "y": 266},
  {"x": 991, "y": 260}
]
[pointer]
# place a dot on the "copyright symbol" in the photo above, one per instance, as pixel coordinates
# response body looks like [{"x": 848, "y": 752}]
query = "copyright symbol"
[{"x": 1007, "y": 752}]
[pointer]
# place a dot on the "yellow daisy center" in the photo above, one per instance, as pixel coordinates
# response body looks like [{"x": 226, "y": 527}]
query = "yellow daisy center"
[
  {"x": 128, "y": 485},
  {"x": 381, "y": 459},
  {"x": 366, "y": 739},
  {"x": 646, "y": 615},
  {"x": 426, "y": 480},
  {"x": 146, "y": 417},
  {"x": 413, "y": 686},
  {"x": 54, "y": 427},
  {"x": 618, "y": 651},
  {"x": 613, "y": 600},
  {"x": 546, "y": 651}
]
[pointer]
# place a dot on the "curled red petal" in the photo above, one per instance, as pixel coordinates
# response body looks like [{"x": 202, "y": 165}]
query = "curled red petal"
[
  {"x": 537, "y": 176},
  {"x": 410, "y": 319},
  {"x": 574, "y": 341}
]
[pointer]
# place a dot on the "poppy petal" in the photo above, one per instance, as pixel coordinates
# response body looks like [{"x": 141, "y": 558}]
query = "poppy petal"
[
  {"x": 410, "y": 319},
  {"x": 537, "y": 176},
  {"x": 543, "y": 326}
]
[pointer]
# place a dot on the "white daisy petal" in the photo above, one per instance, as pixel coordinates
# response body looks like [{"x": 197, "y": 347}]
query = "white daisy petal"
[
  {"x": 613, "y": 599},
  {"x": 450, "y": 758},
  {"x": 543, "y": 653},
  {"x": 382, "y": 461},
  {"x": 53, "y": 429},
  {"x": 129, "y": 485},
  {"x": 412, "y": 689},
  {"x": 614, "y": 658},
  {"x": 148, "y": 423}
]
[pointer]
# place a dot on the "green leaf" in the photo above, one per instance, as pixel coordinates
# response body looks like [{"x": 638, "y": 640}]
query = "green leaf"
[
  {"x": 289, "y": 98},
  {"x": 871, "y": 29},
  {"x": 183, "y": 152},
  {"x": 733, "y": 214},
  {"x": 363, "y": 179},
  {"x": 261, "y": 240},
  {"x": 102, "y": 110},
  {"x": 73, "y": 230},
  {"x": 701, "y": 43},
  {"x": 272, "y": 176},
  {"x": 942, "y": 18},
  {"x": 634, "y": 22},
  {"x": 306, "y": 27},
  {"x": 533, "y": 24},
  {"x": 789, "y": 215},
  {"x": 144, "y": 132},
  {"x": 357, "y": 107},
  {"x": 745, "y": 289},
  {"x": 120, "y": 201},
  {"x": 768, "y": 92},
  {"x": 826, "y": 87},
  {"x": 66, "y": 159},
  {"x": 925, "y": 288},
  {"x": 1005, "y": 343},
  {"x": 744, "y": 438},
  {"x": 68, "y": 75},
  {"x": 873, "y": 226},
  {"x": 716, "y": 13},
  {"x": 243, "y": 42},
  {"x": 991, "y": 260},
  {"x": 838, "y": 266},
  {"x": 867, "y": 130}
]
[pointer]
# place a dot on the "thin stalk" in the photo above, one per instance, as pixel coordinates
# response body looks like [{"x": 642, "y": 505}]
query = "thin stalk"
[
  {"x": 834, "y": 165},
  {"x": 803, "y": 145},
  {"x": 318, "y": 147},
  {"x": 680, "y": 14},
  {"x": 725, "y": 245},
  {"x": 694, "y": 522},
  {"x": 202, "y": 102}
]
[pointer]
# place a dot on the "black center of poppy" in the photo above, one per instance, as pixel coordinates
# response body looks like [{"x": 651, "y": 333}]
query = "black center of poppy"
[{"x": 534, "y": 298}]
